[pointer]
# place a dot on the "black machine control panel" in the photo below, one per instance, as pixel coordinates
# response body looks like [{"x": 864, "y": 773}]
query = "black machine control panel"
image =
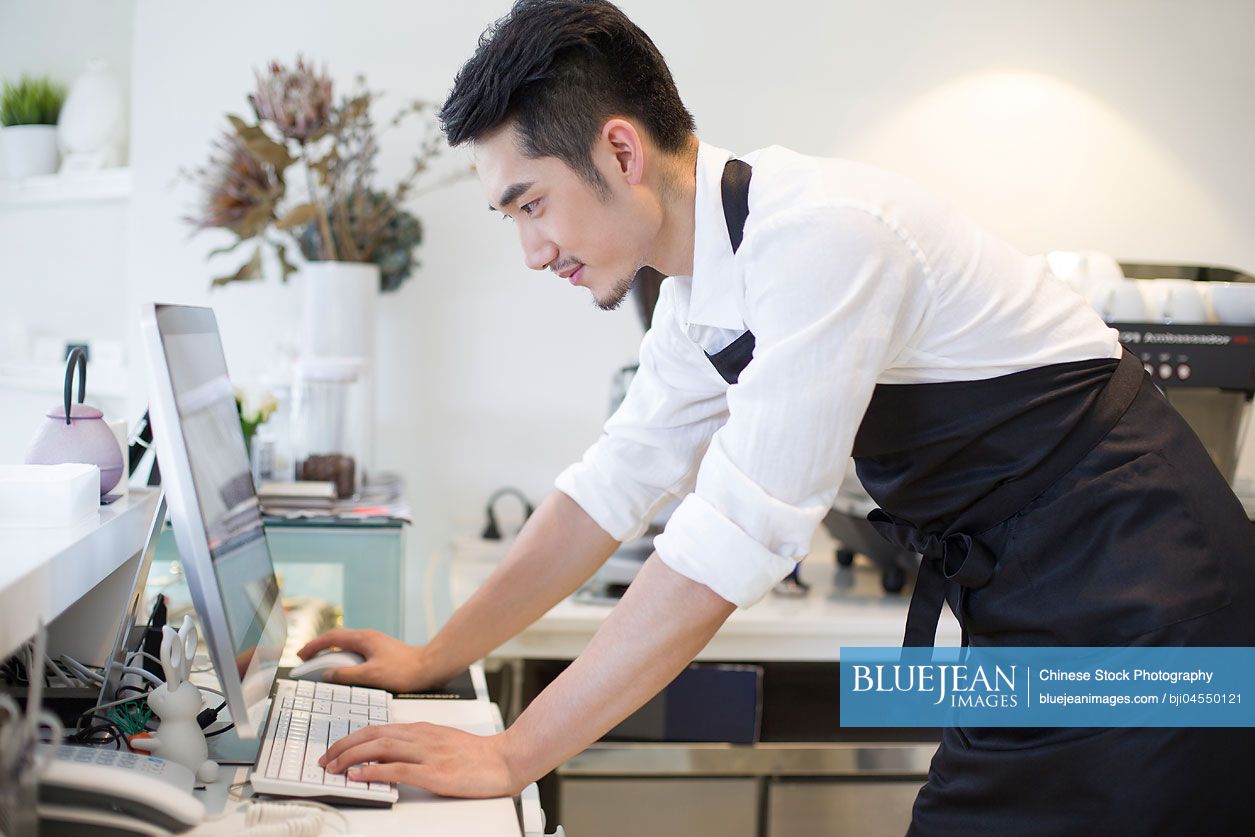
[{"x": 1212, "y": 356}]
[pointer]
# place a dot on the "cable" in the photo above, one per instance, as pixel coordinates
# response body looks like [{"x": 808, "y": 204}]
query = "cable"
[
  {"x": 144, "y": 673},
  {"x": 57, "y": 673},
  {"x": 287, "y": 819},
  {"x": 132, "y": 655},
  {"x": 81, "y": 670},
  {"x": 111, "y": 703},
  {"x": 88, "y": 735}
]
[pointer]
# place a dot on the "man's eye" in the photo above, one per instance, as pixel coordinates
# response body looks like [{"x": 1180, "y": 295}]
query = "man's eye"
[{"x": 530, "y": 207}]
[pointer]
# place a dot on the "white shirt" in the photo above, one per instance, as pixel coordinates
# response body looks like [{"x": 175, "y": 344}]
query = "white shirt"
[{"x": 848, "y": 276}]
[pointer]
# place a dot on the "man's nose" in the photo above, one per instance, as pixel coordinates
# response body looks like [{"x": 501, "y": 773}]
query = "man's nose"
[{"x": 538, "y": 251}]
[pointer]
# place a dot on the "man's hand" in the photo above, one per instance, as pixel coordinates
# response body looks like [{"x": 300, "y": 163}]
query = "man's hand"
[
  {"x": 390, "y": 663},
  {"x": 443, "y": 760}
]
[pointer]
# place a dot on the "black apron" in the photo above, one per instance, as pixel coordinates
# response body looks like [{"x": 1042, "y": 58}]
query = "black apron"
[{"x": 1068, "y": 505}]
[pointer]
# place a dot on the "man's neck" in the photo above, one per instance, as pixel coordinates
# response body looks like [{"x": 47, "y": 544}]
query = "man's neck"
[{"x": 673, "y": 253}]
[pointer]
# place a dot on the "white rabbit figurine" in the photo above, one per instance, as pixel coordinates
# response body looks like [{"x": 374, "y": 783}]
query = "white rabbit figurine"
[{"x": 179, "y": 737}]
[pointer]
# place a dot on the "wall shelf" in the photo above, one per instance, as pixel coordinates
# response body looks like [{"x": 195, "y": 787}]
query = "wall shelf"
[
  {"x": 107, "y": 185},
  {"x": 107, "y": 382}
]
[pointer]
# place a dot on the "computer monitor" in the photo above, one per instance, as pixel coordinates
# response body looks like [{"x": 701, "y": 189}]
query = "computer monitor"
[{"x": 213, "y": 506}]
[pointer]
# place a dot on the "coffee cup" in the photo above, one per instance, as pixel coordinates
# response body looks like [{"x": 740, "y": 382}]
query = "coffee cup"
[
  {"x": 1119, "y": 302},
  {"x": 1183, "y": 303},
  {"x": 1233, "y": 303}
]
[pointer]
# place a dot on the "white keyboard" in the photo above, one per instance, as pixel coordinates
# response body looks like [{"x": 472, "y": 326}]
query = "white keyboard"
[{"x": 305, "y": 719}]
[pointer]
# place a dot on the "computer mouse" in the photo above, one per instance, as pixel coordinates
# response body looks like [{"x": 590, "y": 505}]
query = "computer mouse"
[{"x": 313, "y": 668}]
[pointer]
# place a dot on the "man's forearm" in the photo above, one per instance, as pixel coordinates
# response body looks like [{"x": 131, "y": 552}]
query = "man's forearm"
[
  {"x": 662, "y": 622},
  {"x": 556, "y": 552}
]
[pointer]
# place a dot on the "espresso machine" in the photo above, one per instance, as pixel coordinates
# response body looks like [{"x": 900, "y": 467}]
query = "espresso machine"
[{"x": 1206, "y": 370}]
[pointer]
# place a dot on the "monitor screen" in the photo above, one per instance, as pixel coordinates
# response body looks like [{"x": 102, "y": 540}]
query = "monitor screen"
[{"x": 205, "y": 468}]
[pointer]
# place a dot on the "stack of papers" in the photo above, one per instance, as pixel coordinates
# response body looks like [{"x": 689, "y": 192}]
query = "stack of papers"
[
  {"x": 306, "y": 499},
  {"x": 306, "y": 495}
]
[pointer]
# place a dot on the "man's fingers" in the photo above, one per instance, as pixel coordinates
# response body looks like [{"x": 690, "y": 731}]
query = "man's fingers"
[
  {"x": 347, "y": 638},
  {"x": 384, "y": 749},
  {"x": 396, "y": 772},
  {"x": 352, "y": 740}
]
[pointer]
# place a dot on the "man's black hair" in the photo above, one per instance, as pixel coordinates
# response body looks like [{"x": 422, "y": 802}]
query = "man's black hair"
[{"x": 559, "y": 69}]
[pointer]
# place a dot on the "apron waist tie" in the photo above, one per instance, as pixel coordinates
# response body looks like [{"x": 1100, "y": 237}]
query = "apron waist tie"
[{"x": 956, "y": 556}]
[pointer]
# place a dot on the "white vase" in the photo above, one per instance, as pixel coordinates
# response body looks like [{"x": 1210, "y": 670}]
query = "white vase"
[
  {"x": 92, "y": 127},
  {"x": 338, "y": 309},
  {"x": 29, "y": 150},
  {"x": 338, "y": 302}
]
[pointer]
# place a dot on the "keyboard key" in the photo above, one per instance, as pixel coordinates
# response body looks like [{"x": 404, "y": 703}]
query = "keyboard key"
[
  {"x": 378, "y": 698},
  {"x": 322, "y": 707},
  {"x": 378, "y": 714},
  {"x": 306, "y": 688},
  {"x": 324, "y": 691},
  {"x": 361, "y": 710},
  {"x": 342, "y": 693},
  {"x": 356, "y": 724},
  {"x": 303, "y": 703},
  {"x": 380, "y": 786},
  {"x": 360, "y": 696},
  {"x": 333, "y": 779}
]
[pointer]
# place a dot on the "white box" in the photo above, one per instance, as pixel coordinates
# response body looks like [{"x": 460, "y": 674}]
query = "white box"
[{"x": 39, "y": 496}]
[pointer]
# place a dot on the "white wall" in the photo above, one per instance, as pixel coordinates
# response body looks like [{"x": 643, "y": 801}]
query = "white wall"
[
  {"x": 1122, "y": 126},
  {"x": 62, "y": 267}
]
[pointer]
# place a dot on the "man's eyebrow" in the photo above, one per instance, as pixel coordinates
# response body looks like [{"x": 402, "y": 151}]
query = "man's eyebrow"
[{"x": 511, "y": 194}]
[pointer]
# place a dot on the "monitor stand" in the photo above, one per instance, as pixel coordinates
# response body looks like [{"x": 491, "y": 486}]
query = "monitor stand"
[{"x": 228, "y": 748}]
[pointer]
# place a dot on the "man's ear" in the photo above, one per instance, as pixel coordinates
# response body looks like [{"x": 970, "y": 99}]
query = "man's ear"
[{"x": 628, "y": 147}]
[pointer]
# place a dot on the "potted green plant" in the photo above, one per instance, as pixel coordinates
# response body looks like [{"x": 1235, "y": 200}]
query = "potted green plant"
[{"x": 28, "y": 125}]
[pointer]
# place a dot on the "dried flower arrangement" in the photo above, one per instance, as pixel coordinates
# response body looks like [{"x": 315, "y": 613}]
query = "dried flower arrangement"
[{"x": 343, "y": 216}]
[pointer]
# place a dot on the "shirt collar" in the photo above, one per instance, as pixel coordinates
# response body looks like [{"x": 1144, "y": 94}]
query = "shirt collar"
[{"x": 713, "y": 295}]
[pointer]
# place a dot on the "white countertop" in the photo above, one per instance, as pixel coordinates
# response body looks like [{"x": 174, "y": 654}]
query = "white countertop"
[
  {"x": 417, "y": 811},
  {"x": 45, "y": 570},
  {"x": 844, "y": 607}
]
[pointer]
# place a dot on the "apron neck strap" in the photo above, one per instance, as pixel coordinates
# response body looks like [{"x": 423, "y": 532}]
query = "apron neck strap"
[{"x": 735, "y": 189}]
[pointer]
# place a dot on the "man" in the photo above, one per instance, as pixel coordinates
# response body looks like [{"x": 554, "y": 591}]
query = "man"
[{"x": 818, "y": 309}]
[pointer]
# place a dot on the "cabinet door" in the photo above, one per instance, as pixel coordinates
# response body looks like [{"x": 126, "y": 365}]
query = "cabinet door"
[
  {"x": 660, "y": 807},
  {"x": 831, "y": 808}
]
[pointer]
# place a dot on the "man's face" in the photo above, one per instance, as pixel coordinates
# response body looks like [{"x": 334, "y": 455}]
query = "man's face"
[{"x": 592, "y": 238}]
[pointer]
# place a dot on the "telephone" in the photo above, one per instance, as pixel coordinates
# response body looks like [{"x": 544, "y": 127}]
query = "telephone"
[{"x": 93, "y": 791}]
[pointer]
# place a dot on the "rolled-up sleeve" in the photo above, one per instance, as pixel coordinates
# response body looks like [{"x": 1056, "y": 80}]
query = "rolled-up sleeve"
[
  {"x": 649, "y": 450},
  {"x": 831, "y": 295}
]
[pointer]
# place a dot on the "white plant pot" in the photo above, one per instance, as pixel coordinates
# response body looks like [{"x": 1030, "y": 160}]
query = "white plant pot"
[
  {"x": 29, "y": 150},
  {"x": 338, "y": 302},
  {"x": 92, "y": 127},
  {"x": 338, "y": 309}
]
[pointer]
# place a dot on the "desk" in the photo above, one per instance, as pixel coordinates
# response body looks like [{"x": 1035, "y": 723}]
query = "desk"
[{"x": 418, "y": 812}]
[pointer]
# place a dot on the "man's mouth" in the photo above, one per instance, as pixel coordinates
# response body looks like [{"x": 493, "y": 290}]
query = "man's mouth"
[{"x": 572, "y": 274}]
